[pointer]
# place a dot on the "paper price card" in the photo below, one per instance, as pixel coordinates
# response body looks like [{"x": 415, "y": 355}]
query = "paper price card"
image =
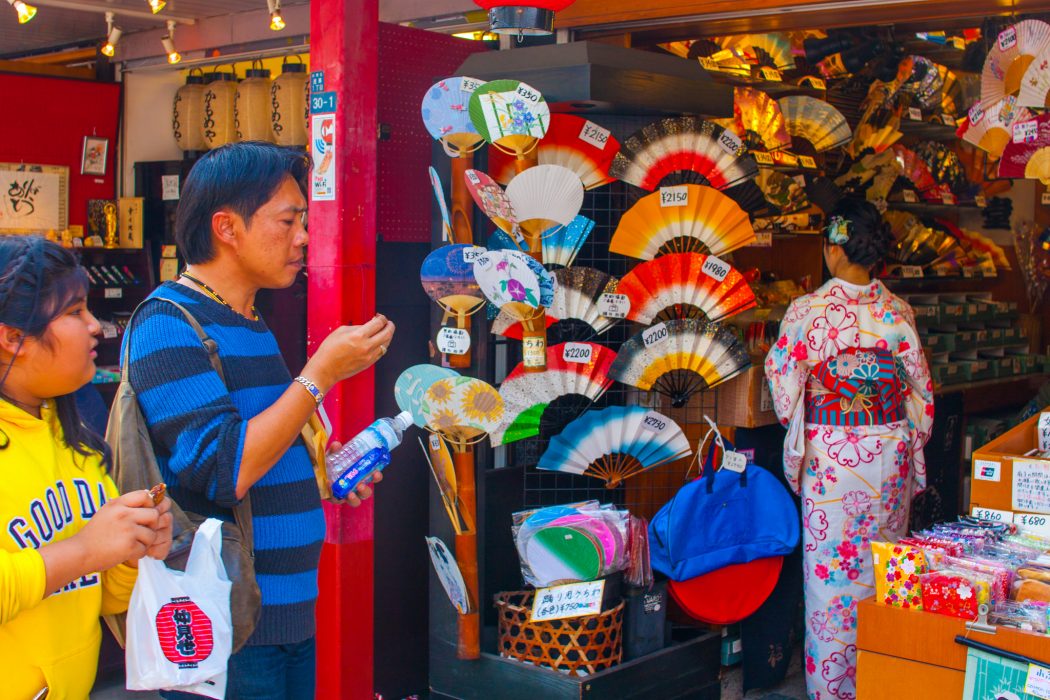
[
  {"x": 534, "y": 351},
  {"x": 1037, "y": 682},
  {"x": 807, "y": 162},
  {"x": 470, "y": 84},
  {"x": 655, "y": 422},
  {"x": 1007, "y": 38},
  {"x": 614, "y": 305},
  {"x": 980, "y": 200},
  {"x": 763, "y": 239},
  {"x": 1043, "y": 431},
  {"x": 948, "y": 198},
  {"x": 594, "y": 135},
  {"x": 987, "y": 470},
  {"x": 114, "y": 293},
  {"x": 715, "y": 268},
  {"x": 677, "y": 196},
  {"x": 471, "y": 254},
  {"x": 948, "y": 119},
  {"x": 580, "y": 353},
  {"x": 570, "y": 600},
  {"x": 1045, "y": 198},
  {"x": 730, "y": 142},
  {"x": 976, "y": 114},
  {"x": 771, "y": 74},
  {"x": 734, "y": 462},
  {"x": 656, "y": 335},
  {"x": 910, "y": 196},
  {"x": 1030, "y": 522},
  {"x": 1031, "y": 486},
  {"x": 473, "y": 177},
  {"x": 915, "y": 114},
  {"x": 762, "y": 157},
  {"x": 1026, "y": 132},
  {"x": 529, "y": 94},
  {"x": 453, "y": 341},
  {"x": 992, "y": 515}
]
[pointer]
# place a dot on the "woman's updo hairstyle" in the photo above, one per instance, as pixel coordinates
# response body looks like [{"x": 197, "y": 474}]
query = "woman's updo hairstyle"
[{"x": 870, "y": 238}]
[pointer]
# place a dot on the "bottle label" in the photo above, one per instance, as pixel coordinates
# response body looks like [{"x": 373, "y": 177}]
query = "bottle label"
[{"x": 375, "y": 460}]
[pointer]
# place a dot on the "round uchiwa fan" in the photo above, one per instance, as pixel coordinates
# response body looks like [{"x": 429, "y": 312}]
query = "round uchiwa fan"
[
  {"x": 815, "y": 121},
  {"x": 615, "y": 443},
  {"x": 989, "y": 125},
  {"x": 575, "y": 312},
  {"x": 688, "y": 148},
  {"x": 462, "y": 409},
  {"x": 1014, "y": 50},
  {"x": 510, "y": 115},
  {"x": 914, "y": 168},
  {"x": 685, "y": 285},
  {"x": 491, "y": 199},
  {"x": 448, "y": 279},
  {"x": 782, "y": 191},
  {"x": 446, "y": 116},
  {"x": 543, "y": 197},
  {"x": 411, "y": 388},
  {"x": 777, "y": 46},
  {"x": 577, "y": 375},
  {"x": 571, "y": 142},
  {"x": 698, "y": 220},
  {"x": 1035, "y": 85},
  {"x": 1029, "y": 159},
  {"x": 757, "y": 113},
  {"x": 562, "y": 245},
  {"x": 679, "y": 358},
  {"x": 519, "y": 286}
]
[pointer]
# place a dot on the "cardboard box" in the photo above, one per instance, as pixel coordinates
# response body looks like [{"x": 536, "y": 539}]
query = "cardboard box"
[
  {"x": 745, "y": 401},
  {"x": 1006, "y": 484}
]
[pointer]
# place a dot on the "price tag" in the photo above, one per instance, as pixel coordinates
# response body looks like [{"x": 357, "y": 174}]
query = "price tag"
[
  {"x": 580, "y": 353},
  {"x": 453, "y": 341},
  {"x": 976, "y": 114},
  {"x": 771, "y": 74},
  {"x": 980, "y": 200},
  {"x": 656, "y": 335},
  {"x": 947, "y": 119},
  {"x": 969, "y": 272},
  {"x": 114, "y": 293},
  {"x": 708, "y": 64},
  {"x": 1026, "y": 132},
  {"x": 435, "y": 442},
  {"x": 1007, "y": 38},
  {"x": 762, "y": 158},
  {"x": 470, "y": 84},
  {"x": 785, "y": 158},
  {"x": 992, "y": 515},
  {"x": 763, "y": 239},
  {"x": 656, "y": 422},
  {"x": 472, "y": 176},
  {"x": 109, "y": 331},
  {"x": 677, "y": 196},
  {"x": 715, "y": 268},
  {"x": 169, "y": 186},
  {"x": 1045, "y": 198},
  {"x": 734, "y": 462},
  {"x": 483, "y": 261},
  {"x": 910, "y": 196},
  {"x": 570, "y": 600},
  {"x": 1037, "y": 683},
  {"x": 594, "y": 135},
  {"x": 730, "y": 142},
  {"x": 1043, "y": 431},
  {"x": 614, "y": 305},
  {"x": 471, "y": 254},
  {"x": 1031, "y": 522},
  {"x": 915, "y": 114},
  {"x": 959, "y": 43},
  {"x": 527, "y": 93},
  {"x": 910, "y": 272},
  {"x": 807, "y": 162},
  {"x": 817, "y": 83},
  {"x": 534, "y": 351},
  {"x": 948, "y": 198}
]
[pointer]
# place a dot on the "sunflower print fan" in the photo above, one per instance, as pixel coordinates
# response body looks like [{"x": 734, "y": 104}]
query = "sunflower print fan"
[
  {"x": 411, "y": 388},
  {"x": 759, "y": 119},
  {"x": 682, "y": 219},
  {"x": 815, "y": 121},
  {"x": 576, "y": 311},
  {"x": 680, "y": 150},
  {"x": 572, "y": 142},
  {"x": 685, "y": 285},
  {"x": 577, "y": 375},
  {"x": 680, "y": 358},
  {"x": 510, "y": 115},
  {"x": 1012, "y": 53},
  {"x": 615, "y": 443}
]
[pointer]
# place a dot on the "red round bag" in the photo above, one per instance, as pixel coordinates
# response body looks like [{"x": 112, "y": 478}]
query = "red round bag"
[{"x": 729, "y": 594}]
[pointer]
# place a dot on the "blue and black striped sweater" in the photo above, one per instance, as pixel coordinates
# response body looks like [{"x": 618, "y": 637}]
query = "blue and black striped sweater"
[{"x": 198, "y": 427}]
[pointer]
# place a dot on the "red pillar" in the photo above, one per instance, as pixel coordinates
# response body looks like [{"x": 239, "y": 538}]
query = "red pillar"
[{"x": 342, "y": 254}]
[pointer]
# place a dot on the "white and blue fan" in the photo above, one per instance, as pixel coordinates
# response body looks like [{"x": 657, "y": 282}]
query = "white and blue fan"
[{"x": 561, "y": 244}]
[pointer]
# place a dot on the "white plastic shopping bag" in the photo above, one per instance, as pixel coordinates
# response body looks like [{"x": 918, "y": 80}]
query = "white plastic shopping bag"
[{"x": 180, "y": 632}]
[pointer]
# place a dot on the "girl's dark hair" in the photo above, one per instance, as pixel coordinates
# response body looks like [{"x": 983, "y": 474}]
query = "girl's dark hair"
[
  {"x": 39, "y": 280},
  {"x": 870, "y": 237}
]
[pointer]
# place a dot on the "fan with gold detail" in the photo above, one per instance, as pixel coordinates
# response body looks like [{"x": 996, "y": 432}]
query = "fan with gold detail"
[
  {"x": 815, "y": 121},
  {"x": 512, "y": 116},
  {"x": 1035, "y": 85},
  {"x": 1013, "y": 51},
  {"x": 576, "y": 312},
  {"x": 759, "y": 120},
  {"x": 914, "y": 169},
  {"x": 1029, "y": 158},
  {"x": 784, "y": 192},
  {"x": 989, "y": 126},
  {"x": 572, "y": 142},
  {"x": 776, "y": 46}
]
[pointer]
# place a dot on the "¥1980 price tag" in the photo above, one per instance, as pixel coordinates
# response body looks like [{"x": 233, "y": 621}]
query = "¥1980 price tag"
[
  {"x": 715, "y": 268},
  {"x": 595, "y": 135},
  {"x": 677, "y": 196},
  {"x": 580, "y": 353},
  {"x": 453, "y": 341},
  {"x": 655, "y": 335},
  {"x": 614, "y": 305}
]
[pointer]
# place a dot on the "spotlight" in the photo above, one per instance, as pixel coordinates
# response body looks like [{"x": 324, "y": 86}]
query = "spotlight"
[
  {"x": 112, "y": 36},
  {"x": 156, "y": 5},
  {"x": 276, "y": 20},
  {"x": 25, "y": 12},
  {"x": 169, "y": 44}
]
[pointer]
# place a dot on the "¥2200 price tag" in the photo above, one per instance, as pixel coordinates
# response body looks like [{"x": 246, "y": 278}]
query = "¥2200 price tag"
[
  {"x": 580, "y": 353},
  {"x": 656, "y": 335}
]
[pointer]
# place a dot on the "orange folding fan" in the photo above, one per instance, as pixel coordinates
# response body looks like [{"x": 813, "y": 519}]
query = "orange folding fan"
[
  {"x": 759, "y": 114},
  {"x": 685, "y": 285}
]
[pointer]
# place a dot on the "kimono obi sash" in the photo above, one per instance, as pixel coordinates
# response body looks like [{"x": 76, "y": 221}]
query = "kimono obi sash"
[{"x": 859, "y": 386}]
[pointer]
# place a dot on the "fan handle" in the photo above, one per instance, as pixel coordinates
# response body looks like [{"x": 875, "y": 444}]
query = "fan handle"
[
  {"x": 534, "y": 342},
  {"x": 469, "y": 646},
  {"x": 462, "y": 202},
  {"x": 459, "y": 361}
]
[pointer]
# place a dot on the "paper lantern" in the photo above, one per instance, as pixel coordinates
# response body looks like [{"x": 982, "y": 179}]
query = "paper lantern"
[
  {"x": 187, "y": 113},
  {"x": 251, "y": 108},
  {"x": 290, "y": 104},
  {"x": 220, "y": 92},
  {"x": 536, "y": 18}
]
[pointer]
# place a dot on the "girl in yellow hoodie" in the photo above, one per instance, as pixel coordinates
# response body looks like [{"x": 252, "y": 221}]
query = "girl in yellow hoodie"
[{"x": 69, "y": 544}]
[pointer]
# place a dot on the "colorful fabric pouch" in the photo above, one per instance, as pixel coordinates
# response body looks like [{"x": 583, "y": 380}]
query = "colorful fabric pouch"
[
  {"x": 955, "y": 593},
  {"x": 898, "y": 569}
]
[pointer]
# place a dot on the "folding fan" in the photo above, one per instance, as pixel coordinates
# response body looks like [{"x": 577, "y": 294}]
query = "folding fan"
[
  {"x": 518, "y": 285},
  {"x": 920, "y": 77},
  {"x": 879, "y": 169},
  {"x": 748, "y": 196},
  {"x": 777, "y": 46},
  {"x": 682, "y": 219},
  {"x": 573, "y": 369},
  {"x": 916, "y": 244},
  {"x": 615, "y": 443},
  {"x": 1011, "y": 54},
  {"x": 1029, "y": 158},
  {"x": 679, "y": 358},
  {"x": 543, "y": 197},
  {"x": 1035, "y": 85},
  {"x": 989, "y": 125},
  {"x": 411, "y": 387},
  {"x": 816, "y": 121},
  {"x": 491, "y": 199},
  {"x": 688, "y": 148},
  {"x": 571, "y": 142},
  {"x": 443, "y": 469},
  {"x": 577, "y": 293},
  {"x": 782, "y": 191},
  {"x": 758, "y": 113},
  {"x": 943, "y": 163},
  {"x": 447, "y": 275},
  {"x": 685, "y": 285},
  {"x": 510, "y": 115},
  {"x": 914, "y": 168},
  {"x": 563, "y": 243}
]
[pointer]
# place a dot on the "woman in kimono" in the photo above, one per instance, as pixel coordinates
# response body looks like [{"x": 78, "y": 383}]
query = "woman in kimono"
[{"x": 851, "y": 384}]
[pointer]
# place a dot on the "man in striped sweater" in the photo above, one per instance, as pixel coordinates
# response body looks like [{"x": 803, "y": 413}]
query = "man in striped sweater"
[{"x": 240, "y": 228}]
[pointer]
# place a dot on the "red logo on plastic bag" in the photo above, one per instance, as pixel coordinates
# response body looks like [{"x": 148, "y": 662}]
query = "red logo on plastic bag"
[{"x": 184, "y": 632}]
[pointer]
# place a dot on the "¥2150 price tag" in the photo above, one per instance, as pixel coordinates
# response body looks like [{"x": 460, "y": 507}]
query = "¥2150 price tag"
[
  {"x": 594, "y": 135},
  {"x": 677, "y": 196}
]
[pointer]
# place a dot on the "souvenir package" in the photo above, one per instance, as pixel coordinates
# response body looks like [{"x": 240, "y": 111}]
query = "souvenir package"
[
  {"x": 954, "y": 592},
  {"x": 1033, "y": 590},
  {"x": 1035, "y": 572},
  {"x": 1001, "y": 576},
  {"x": 897, "y": 574},
  {"x": 570, "y": 543},
  {"x": 639, "y": 571},
  {"x": 1027, "y": 615}
]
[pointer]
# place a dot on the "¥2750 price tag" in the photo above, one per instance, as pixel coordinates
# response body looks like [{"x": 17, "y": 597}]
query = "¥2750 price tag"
[
  {"x": 677, "y": 196},
  {"x": 580, "y": 353},
  {"x": 453, "y": 341},
  {"x": 614, "y": 305}
]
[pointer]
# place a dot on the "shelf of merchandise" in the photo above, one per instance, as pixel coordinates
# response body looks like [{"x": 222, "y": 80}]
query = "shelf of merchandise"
[
  {"x": 774, "y": 88},
  {"x": 995, "y": 394},
  {"x": 927, "y": 131},
  {"x": 931, "y": 208}
]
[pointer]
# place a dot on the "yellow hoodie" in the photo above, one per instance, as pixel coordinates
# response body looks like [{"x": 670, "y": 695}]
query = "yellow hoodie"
[{"x": 47, "y": 493}]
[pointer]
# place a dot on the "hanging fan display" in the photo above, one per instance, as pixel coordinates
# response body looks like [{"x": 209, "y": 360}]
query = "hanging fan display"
[
  {"x": 411, "y": 387},
  {"x": 572, "y": 142},
  {"x": 1035, "y": 85},
  {"x": 757, "y": 113},
  {"x": 989, "y": 126},
  {"x": 1029, "y": 158},
  {"x": 443, "y": 469},
  {"x": 1010, "y": 56},
  {"x": 682, "y": 219},
  {"x": 776, "y": 46},
  {"x": 518, "y": 285},
  {"x": 683, "y": 149},
  {"x": 491, "y": 199},
  {"x": 578, "y": 370},
  {"x": 685, "y": 285},
  {"x": 915, "y": 243},
  {"x": 728, "y": 61},
  {"x": 781, "y": 190},
  {"x": 578, "y": 293},
  {"x": 562, "y": 244},
  {"x": 615, "y": 443},
  {"x": 815, "y": 121},
  {"x": 943, "y": 163},
  {"x": 447, "y": 276},
  {"x": 881, "y": 170},
  {"x": 680, "y": 358},
  {"x": 919, "y": 76},
  {"x": 510, "y": 115},
  {"x": 542, "y": 198},
  {"x": 914, "y": 169}
]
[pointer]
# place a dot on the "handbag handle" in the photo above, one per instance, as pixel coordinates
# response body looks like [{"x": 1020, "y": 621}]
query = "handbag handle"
[{"x": 718, "y": 447}]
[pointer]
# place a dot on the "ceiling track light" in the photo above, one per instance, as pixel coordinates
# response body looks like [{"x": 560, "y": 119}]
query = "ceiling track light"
[
  {"x": 276, "y": 20},
  {"x": 156, "y": 5},
  {"x": 113, "y": 33},
  {"x": 168, "y": 43},
  {"x": 25, "y": 12}
]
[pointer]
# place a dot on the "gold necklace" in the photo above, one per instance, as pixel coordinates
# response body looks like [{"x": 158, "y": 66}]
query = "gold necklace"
[{"x": 216, "y": 296}]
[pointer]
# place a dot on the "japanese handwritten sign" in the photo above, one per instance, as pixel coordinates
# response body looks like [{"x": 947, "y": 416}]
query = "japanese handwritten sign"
[
  {"x": 570, "y": 600},
  {"x": 1031, "y": 486},
  {"x": 33, "y": 199}
]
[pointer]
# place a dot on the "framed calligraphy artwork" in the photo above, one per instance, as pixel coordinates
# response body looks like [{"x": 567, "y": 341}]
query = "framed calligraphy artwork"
[{"x": 33, "y": 198}]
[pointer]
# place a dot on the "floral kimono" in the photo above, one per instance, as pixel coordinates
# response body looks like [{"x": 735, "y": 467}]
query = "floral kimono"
[{"x": 851, "y": 384}]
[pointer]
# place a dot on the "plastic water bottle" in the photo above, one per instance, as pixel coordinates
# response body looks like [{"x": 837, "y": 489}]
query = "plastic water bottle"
[{"x": 368, "y": 452}]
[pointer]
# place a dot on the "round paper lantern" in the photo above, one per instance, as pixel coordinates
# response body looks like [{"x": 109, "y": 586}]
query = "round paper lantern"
[
  {"x": 251, "y": 108},
  {"x": 514, "y": 17},
  {"x": 187, "y": 113},
  {"x": 220, "y": 92},
  {"x": 290, "y": 104}
]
